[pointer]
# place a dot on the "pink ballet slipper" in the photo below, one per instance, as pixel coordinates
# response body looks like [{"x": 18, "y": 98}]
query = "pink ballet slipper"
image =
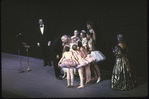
[{"x": 80, "y": 87}]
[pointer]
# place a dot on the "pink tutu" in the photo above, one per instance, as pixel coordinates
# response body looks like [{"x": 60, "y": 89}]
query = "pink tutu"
[
  {"x": 82, "y": 62},
  {"x": 90, "y": 58},
  {"x": 67, "y": 63}
]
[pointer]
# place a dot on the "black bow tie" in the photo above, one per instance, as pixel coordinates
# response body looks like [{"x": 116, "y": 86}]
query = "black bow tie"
[{"x": 41, "y": 25}]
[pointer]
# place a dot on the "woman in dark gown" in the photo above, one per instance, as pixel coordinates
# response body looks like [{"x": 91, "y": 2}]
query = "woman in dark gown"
[{"x": 122, "y": 77}]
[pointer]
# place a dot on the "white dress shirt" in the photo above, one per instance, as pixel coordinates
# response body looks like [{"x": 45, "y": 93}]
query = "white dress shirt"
[{"x": 42, "y": 29}]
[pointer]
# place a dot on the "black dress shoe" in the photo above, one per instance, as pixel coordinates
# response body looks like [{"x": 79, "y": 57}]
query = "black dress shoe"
[
  {"x": 59, "y": 78},
  {"x": 49, "y": 65},
  {"x": 45, "y": 65},
  {"x": 77, "y": 76},
  {"x": 61, "y": 74}
]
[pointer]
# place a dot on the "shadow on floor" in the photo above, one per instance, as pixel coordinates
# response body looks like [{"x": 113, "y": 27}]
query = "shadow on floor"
[{"x": 9, "y": 94}]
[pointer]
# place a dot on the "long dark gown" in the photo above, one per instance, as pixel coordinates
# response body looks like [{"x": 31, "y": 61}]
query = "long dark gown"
[{"x": 122, "y": 76}]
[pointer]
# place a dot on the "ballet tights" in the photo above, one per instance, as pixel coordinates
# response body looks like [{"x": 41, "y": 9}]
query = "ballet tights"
[
  {"x": 98, "y": 71},
  {"x": 88, "y": 73},
  {"x": 80, "y": 70},
  {"x": 70, "y": 76}
]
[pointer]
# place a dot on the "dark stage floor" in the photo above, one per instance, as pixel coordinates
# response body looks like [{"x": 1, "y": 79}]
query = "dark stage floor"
[{"x": 41, "y": 82}]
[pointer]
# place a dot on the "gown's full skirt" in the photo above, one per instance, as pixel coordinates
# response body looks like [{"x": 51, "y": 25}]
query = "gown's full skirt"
[{"x": 122, "y": 77}]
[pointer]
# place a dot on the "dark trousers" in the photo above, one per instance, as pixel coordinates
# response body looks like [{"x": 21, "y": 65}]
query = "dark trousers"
[
  {"x": 45, "y": 52},
  {"x": 55, "y": 63}
]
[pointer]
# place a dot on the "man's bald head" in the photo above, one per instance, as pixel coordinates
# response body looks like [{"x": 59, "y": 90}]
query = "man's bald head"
[{"x": 64, "y": 38}]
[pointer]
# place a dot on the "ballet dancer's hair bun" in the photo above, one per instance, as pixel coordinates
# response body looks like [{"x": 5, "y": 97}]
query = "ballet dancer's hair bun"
[
  {"x": 67, "y": 48},
  {"x": 74, "y": 47},
  {"x": 90, "y": 22}
]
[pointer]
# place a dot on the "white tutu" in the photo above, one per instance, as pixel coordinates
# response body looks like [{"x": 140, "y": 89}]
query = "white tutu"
[{"x": 98, "y": 56}]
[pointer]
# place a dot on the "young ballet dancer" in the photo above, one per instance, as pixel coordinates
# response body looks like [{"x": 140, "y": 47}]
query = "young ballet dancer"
[
  {"x": 83, "y": 38},
  {"x": 81, "y": 62},
  {"x": 72, "y": 42},
  {"x": 89, "y": 58},
  {"x": 96, "y": 54},
  {"x": 64, "y": 45},
  {"x": 76, "y": 36},
  {"x": 69, "y": 62},
  {"x": 90, "y": 26}
]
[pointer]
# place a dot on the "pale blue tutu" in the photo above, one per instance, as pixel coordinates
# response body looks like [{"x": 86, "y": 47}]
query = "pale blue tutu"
[{"x": 98, "y": 56}]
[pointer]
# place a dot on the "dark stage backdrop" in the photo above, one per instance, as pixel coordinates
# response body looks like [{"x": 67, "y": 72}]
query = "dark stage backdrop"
[{"x": 110, "y": 17}]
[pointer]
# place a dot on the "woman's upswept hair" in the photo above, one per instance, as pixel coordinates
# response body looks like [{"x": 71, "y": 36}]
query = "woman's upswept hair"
[
  {"x": 90, "y": 22},
  {"x": 121, "y": 38}
]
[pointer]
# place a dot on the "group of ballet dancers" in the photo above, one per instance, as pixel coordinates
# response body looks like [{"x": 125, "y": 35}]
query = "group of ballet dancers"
[{"x": 80, "y": 56}]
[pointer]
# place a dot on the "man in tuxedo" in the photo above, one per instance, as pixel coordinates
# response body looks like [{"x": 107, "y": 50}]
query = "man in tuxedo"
[
  {"x": 56, "y": 51},
  {"x": 44, "y": 42}
]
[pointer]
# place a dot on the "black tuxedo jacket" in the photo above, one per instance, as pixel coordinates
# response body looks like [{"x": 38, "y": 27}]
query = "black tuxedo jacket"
[
  {"x": 56, "y": 47},
  {"x": 43, "y": 39}
]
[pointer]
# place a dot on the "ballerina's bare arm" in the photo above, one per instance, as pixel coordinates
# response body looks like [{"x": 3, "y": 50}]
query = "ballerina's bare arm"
[
  {"x": 94, "y": 35},
  {"x": 61, "y": 58},
  {"x": 85, "y": 52},
  {"x": 83, "y": 55}
]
